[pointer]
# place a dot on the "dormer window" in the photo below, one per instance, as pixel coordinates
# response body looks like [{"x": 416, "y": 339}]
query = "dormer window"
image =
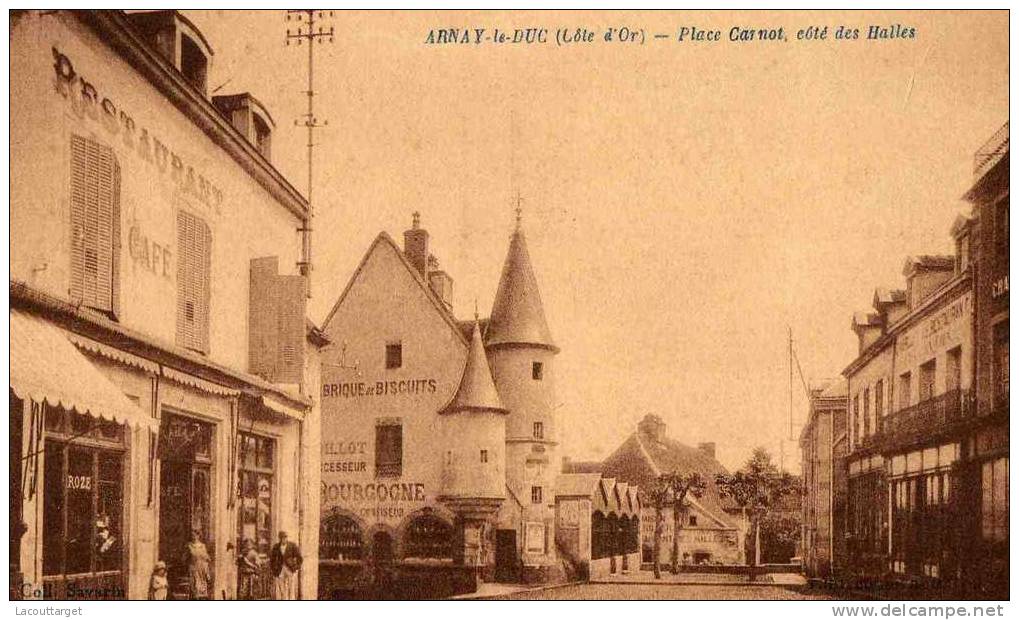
[
  {"x": 962, "y": 254},
  {"x": 194, "y": 65},
  {"x": 263, "y": 136}
]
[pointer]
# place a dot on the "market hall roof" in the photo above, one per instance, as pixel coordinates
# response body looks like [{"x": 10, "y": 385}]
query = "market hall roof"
[
  {"x": 518, "y": 317},
  {"x": 476, "y": 391}
]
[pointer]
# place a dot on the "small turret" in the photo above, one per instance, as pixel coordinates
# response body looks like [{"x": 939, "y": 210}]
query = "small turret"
[
  {"x": 477, "y": 389},
  {"x": 518, "y": 317}
]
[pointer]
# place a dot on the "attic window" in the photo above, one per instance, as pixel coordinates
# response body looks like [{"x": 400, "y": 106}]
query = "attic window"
[
  {"x": 394, "y": 355},
  {"x": 193, "y": 63},
  {"x": 262, "y": 136},
  {"x": 693, "y": 520},
  {"x": 537, "y": 371}
]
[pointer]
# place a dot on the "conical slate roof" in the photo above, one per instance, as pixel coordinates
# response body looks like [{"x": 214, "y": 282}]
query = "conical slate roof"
[
  {"x": 477, "y": 389},
  {"x": 517, "y": 314}
]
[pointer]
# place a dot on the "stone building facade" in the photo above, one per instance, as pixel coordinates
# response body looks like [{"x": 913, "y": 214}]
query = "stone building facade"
[{"x": 152, "y": 401}]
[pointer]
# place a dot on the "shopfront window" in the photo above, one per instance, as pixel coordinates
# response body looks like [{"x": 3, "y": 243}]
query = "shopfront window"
[
  {"x": 340, "y": 538},
  {"x": 994, "y": 500},
  {"x": 255, "y": 487},
  {"x": 83, "y": 495},
  {"x": 428, "y": 537},
  {"x": 1001, "y": 362}
]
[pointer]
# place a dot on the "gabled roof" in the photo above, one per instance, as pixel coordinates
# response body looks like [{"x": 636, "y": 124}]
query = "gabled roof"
[
  {"x": 938, "y": 262},
  {"x": 476, "y": 391},
  {"x": 383, "y": 239},
  {"x": 884, "y": 296},
  {"x": 838, "y": 388},
  {"x": 517, "y": 313},
  {"x": 640, "y": 460}
]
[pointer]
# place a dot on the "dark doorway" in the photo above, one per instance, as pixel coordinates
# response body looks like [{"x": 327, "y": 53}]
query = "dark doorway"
[
  {"x": 15, "y": 509},
  {"x": 382, "y": 548},
  {"x": 506, "y": 556},
  {"x": 383, "y": 579},
  {"x": 184, "y": 495}
]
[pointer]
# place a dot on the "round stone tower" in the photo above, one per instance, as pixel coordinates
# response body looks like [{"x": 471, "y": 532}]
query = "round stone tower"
[{"x": 521, "y": 354}]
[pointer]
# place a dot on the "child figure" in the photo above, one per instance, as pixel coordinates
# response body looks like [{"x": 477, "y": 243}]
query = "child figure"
[{"x": 159, "y": 585}]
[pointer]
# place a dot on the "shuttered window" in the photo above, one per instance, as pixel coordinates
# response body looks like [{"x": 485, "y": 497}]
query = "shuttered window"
[
  {"x": 95, "y": 224},
  {"x": 194, "y": 247},
  {"x": 388, "y": 450}
]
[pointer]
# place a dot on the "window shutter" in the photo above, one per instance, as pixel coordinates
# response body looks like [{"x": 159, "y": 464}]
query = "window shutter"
[
  {"x": 95, "y": 223},
  {"x": 194, "y": 244}
]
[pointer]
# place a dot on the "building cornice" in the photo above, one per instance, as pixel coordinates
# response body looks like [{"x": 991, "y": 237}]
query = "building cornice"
[
  {"x": 113, "y": 27},
  {"x": 947, "y": 293}
]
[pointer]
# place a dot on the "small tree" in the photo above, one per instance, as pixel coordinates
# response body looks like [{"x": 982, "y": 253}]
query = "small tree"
[
  {"x": 680, "y": 486},
  {"x": 757, "y": 488},
  {"x": 658, "y": 496}
]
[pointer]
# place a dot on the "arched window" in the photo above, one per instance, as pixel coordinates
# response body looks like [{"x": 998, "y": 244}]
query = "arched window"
[
  {"x": 340, "y": 538},
  {"x": 428, "y": 537}
]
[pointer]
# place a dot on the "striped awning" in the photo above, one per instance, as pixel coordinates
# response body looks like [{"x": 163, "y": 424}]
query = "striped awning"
[{"x": 45, "y": 366}]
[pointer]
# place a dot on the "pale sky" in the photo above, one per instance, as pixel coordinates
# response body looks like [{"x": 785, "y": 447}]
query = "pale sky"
[{"x": 683, "y": 202}]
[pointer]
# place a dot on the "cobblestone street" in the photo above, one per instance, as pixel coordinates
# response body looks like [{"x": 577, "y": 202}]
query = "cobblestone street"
[{"x": 669, "y": 592}]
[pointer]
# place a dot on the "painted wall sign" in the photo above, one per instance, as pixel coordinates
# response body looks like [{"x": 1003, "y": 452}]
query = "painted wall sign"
[
  {"x": 373, "y": 500},
  {"x": 152, "y": 256},
  {"x": 86, "y": 102},
  {"x": 937, "y": 332},
  {"x": 331, "y": 448},
  {"x": 361, "y": 389},
  {"x": 79, "y": 483}
]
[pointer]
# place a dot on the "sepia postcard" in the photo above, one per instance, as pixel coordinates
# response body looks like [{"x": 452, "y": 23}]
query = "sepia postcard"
[{"x": 335, "y": 305}]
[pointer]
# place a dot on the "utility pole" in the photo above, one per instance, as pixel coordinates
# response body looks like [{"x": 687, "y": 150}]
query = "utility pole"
[
  {"x": 790, "y": 384},
  {"x": 306, "y": 32}
]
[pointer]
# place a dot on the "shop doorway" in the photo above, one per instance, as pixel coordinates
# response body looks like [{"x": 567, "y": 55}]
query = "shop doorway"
[
  {"x": 506, "y": 556},
  {"x": 185, "y": 452}
]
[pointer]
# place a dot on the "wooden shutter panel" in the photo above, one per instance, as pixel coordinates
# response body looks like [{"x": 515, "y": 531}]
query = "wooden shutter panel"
[
  {"x": 194, "y": 262},
  {"x": 95, "y": 223}
]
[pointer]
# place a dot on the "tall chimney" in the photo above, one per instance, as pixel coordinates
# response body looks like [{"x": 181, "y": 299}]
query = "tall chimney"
[
  {"x": 415, "y": 245},
  {"x": 440, "y": 282},
  {"x": 653, "y": 427},
  {"x": 707, "y": 447}
]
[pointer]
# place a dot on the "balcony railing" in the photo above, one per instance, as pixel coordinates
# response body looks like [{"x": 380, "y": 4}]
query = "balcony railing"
[
  {"x": 929, "y": 416},
  {"x": 991, "y": 151}
]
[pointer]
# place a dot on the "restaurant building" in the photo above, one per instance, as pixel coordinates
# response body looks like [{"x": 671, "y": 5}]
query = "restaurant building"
[
  {"x": 910, "y": 413},
  {"x": 438, "y": 435},
  {"x": 163, "y": 373}
]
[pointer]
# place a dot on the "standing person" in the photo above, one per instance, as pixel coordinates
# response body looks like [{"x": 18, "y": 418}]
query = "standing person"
[
  {"x": 285, "y": 561},
  {"x": 159, "y": 585},
  {"x": 199, "y": 564},
  {"x": 247, "y": 570}
]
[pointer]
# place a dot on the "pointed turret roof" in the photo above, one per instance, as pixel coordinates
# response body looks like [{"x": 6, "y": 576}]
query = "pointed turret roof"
[
  {"x": 477, "y": 389},
  {"x": 517, "y": 314}
]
